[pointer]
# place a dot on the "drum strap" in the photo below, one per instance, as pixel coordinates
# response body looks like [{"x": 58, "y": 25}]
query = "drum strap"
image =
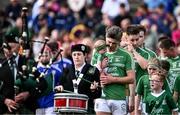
[{"x": 76, "y": 82}]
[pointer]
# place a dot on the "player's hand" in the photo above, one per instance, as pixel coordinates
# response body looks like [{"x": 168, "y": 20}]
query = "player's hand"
[{"x": 106, "y": 79}]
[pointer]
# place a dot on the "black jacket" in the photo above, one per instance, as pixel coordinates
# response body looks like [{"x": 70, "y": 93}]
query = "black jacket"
[
  {"x": 91, "y": 74},
  {"x": 6, "y": 86}
]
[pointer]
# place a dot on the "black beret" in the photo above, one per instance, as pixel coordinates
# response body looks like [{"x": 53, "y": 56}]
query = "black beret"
[
  {"x": 79, "y": 47},
  {"x": 12, "y": 36}
]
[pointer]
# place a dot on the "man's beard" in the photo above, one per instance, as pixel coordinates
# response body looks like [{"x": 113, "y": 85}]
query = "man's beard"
[{"x": 45, "y": 62}]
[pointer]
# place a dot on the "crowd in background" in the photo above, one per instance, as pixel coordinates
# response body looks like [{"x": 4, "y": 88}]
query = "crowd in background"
[{"x": 70, "y": 22}]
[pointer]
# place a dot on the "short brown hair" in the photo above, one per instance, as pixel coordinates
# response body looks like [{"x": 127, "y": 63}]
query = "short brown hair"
[
  {"x": 141, "y": 28},
  {"x": 114, "y": 32}
]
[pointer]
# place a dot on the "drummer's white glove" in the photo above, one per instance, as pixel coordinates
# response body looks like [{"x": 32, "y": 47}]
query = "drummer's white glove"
[
  {"x": 59, "y": 88},
  {"x": 94, "y": 86}
]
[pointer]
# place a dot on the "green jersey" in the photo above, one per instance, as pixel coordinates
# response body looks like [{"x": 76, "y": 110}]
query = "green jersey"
[
  {"x": 174, "y": 65},
  {"x": 97, "y": 57},
  {"x": 139, "y": 71},
  {"x": 177, "y": 89},
  {"x": 150, "y": 52},
  {"x": 170, "y": 81},
  {"x": 119, "y": 62},
  {"x": 174, "y": 69},
  {"x": 160, "y": 104},
  {"x": 143, "y": 87}
]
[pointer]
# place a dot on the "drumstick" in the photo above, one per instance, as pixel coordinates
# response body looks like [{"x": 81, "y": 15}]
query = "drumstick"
[
  {"x": 89, "y": 81},
  {"x": 67, "y": 91}
]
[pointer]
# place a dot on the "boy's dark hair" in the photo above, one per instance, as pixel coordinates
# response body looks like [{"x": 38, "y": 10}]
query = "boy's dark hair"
[
  {"x": 141, "y": 28},
  {"x": 114, "y": 32},
  {"x": 166, "y": 44},
  {"x": 165, "y": 65},
  {"x": 132, "y": 30}
]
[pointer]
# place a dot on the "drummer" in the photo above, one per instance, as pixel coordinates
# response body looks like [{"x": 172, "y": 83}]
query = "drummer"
[{"x": 82, "y": 78}]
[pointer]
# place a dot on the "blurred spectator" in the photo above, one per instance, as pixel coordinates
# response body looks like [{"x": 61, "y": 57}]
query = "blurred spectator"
[
  {"x": 91, "y": 19},
  {"x": 38, "y": 42},
  {"x": 176, "y": 32},
  {"x": 153, "y": 4},
  {"x": 101, "y": 28},
  {"x": 42, "y": 20},
  {"x": 125, "y": 23},
  {"x": 54, "y": 36},
  {"x": 168, "y": 4},
  {"x": 13, "y": 9},
  {"x": 163, "y": 20},
  {"x": 141, "y": 13},
  {"x": 66, "y": 50},
  {"x": 151, "y": 37},
  {"x": 111, "y": 7},
  {"x": 36, "y": 6},
  {"x": 123, "y": 13},
  {"x": 53, "y": 6},
  {"x": 76, "y": 5},
  {"x": 98, "y": 3},
  {"x": 64, "y": 37},
  {"x": 64, "y": 19},
  {"x": 177, "y": 11},
  {"x": 77, "y": 33}
]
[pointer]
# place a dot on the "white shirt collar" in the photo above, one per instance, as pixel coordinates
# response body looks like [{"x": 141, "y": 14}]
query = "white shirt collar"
[{"x": 80, "y": 68}]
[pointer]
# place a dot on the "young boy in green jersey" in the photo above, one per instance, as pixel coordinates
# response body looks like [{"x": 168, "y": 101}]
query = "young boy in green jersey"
[
  {"x": 99, "y": 58},
  {"x": 176, "y": 94},
  {"x": 159, "y": 101},
  {"x": 143, "y": 87}
]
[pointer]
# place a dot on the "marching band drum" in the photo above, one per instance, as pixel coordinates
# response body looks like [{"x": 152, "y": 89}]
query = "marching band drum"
[{"x": 70, "y": 103}]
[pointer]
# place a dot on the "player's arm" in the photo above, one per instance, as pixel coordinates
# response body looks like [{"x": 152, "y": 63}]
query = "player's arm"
[
  {"x": 137, "y": 104},
  {"x": 131, "y": 96},
  {"x": 141, "y": 60}
]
